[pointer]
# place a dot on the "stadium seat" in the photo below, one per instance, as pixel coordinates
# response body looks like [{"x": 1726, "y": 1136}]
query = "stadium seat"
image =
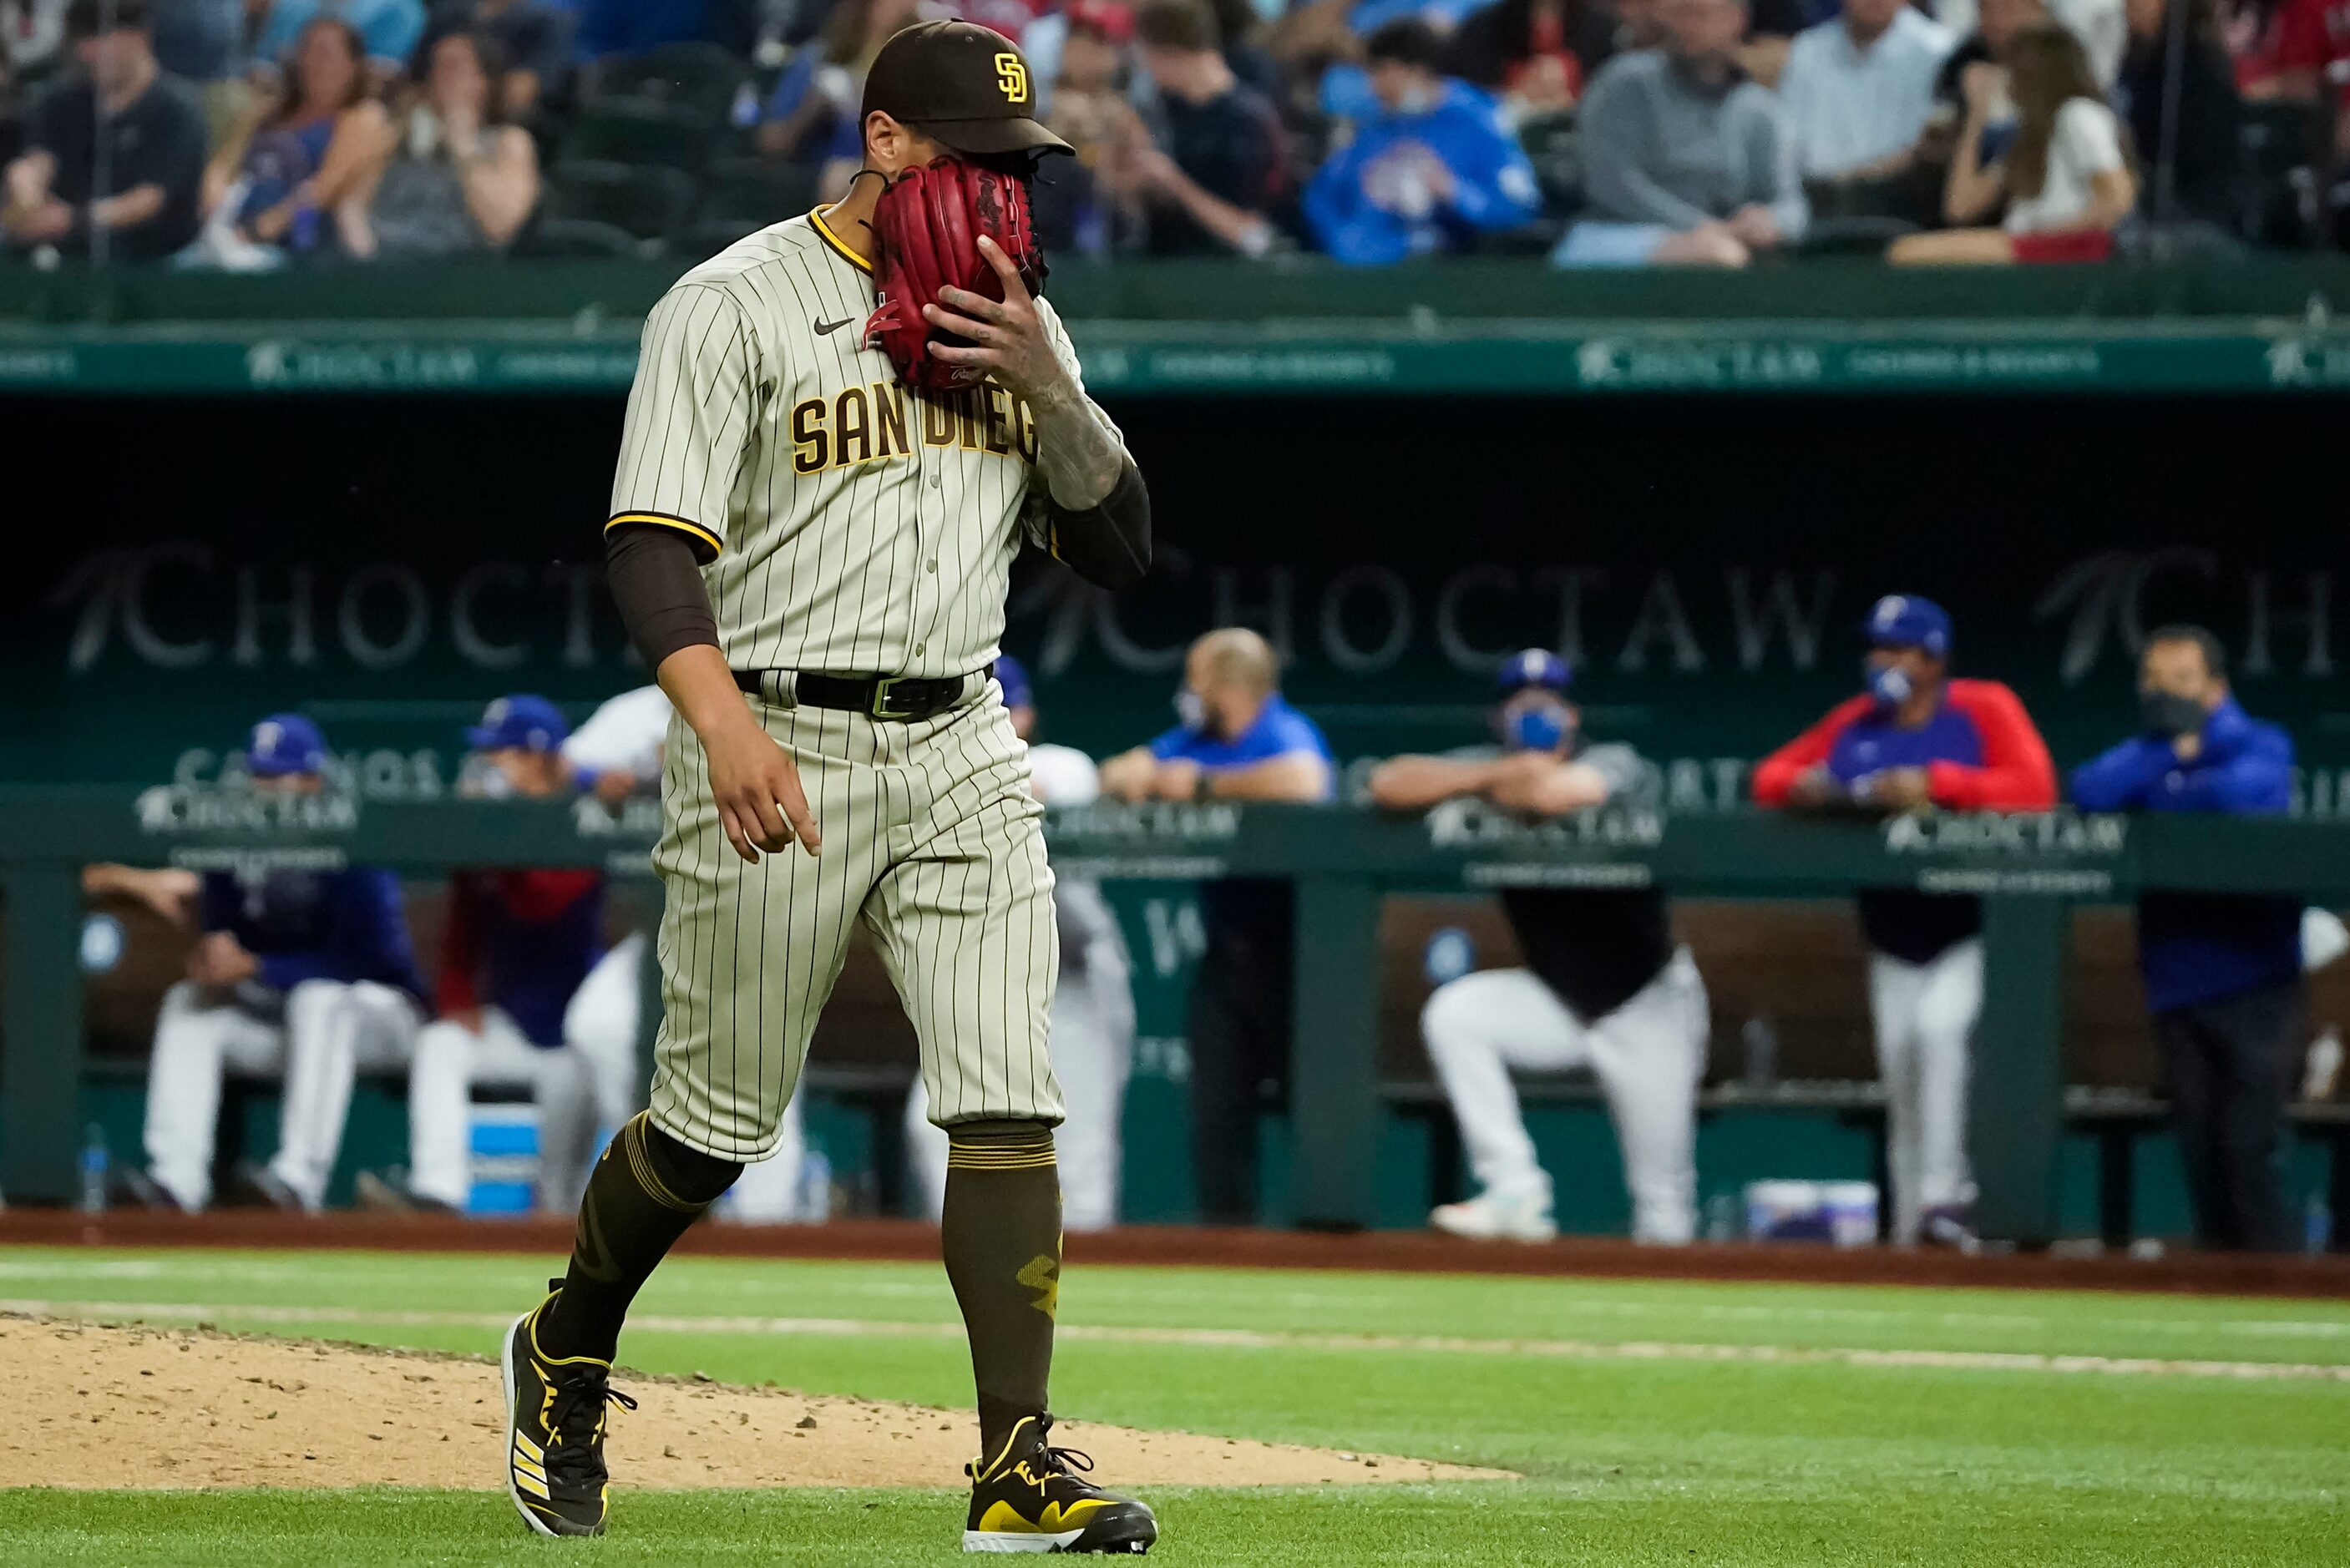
[
  {"x": 648, "y": 203},
  {"x": 2282, "y": 146},
  {"x": 642, "y": 131},
  {"x": 1555, "y": 150},
  {"x": 577, "y": 239},
  {"x": 703, "y": 78},
  {"x": 757, "y": 190}
]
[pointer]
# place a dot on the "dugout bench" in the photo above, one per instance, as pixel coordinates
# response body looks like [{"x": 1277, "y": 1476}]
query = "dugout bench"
[{"x": 2029, "y": 870}]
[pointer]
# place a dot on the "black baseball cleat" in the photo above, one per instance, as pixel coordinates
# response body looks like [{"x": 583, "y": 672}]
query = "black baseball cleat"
[
  {"x": 554, "y": 1432},
  {"x": 1030, "y": 1498}
]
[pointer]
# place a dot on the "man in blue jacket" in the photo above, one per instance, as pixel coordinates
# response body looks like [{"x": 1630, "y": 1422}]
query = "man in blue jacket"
[
  {"x": 298, "y": 974},
  {"x": 1435, "y": 168},
  {"x": 2223, "y": 972}
]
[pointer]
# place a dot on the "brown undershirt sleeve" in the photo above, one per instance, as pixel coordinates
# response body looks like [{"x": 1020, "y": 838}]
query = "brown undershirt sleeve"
[{"x": 656, "y": 580}]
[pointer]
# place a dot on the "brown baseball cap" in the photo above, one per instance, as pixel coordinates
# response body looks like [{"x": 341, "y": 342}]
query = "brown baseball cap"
[{"x": 961, "y": 84}]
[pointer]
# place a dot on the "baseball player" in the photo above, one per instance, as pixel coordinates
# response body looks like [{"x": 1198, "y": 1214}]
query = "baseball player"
[
  {"x": 1916, "y": 738},
  {"x": 1605, "y": 986},
  {"x": 515, "y": 948},
  {"x": 1093, "y": 1006},
  {"x": 616, "y": 754},
  {"x": 811, "y": 535},
  {"x": 306, "y": 976}
]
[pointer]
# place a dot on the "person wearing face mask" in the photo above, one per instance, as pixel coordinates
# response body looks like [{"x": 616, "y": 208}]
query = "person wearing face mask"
[
  {"x": 1237, "y": 739},
  {"x": 1604, "y": 985},
  {"x": 1913, "y": 740},
  {"x": 1429, "y": 172},
  {"x": 2223, "y": 970},
  {"x": 515, "y": 948}
]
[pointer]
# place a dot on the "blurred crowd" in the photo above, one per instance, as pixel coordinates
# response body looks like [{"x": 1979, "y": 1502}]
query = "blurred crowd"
[{"x": 248, "y": 133}]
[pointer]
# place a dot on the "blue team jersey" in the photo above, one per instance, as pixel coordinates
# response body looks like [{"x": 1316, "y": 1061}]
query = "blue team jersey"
[
  {"x": 1280, "y": 730},
  {"x": 1874, "y": 743},
  {"x": 347, "y": 925}
]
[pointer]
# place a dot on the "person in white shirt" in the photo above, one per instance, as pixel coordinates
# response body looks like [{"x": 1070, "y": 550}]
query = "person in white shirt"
[
  {"x": 2102, "y": 25},
  {"x": 2064, "y": 177},
  {"x": 1856, "y": 96}
]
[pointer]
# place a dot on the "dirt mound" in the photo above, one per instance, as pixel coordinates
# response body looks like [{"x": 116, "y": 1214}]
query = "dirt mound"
[{"x": 109, "y": 1406}]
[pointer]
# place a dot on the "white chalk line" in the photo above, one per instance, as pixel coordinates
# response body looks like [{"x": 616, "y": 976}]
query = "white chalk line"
[
  {"x": 1249, "y": 1339},
  {"x": 245, "y": 1273}
]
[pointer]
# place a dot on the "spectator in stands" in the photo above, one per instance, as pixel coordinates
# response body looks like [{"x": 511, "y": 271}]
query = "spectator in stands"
[
  {"x": 533, "y": 37},
  {"x": 388, "y": 31},
  {"x": 201, "y": 42},
  {"x": 454, "y": 178},
  {"x": 2200, "y": 141},
  {"x": 1917, "y": 739},
  {"x": 1980, "y": 59},
  {"x": 1536, "y": 54},
  {"x": 113, "y": 155},
  {"x": 515, "y": 948},
  {"x": 811, "y": 115},
  {"x": 306, "y": 976},
  {"x": 290, "y": 179},
  {"x": 1686, "y": 161},
  {"x": 1216, "y": 170},
  {"x": 1238, "y": 740},
  {"x": 1088, "y": 204},
  {"x": 2286, "y": 50},
  {"x": 2223, "y": 970},
  {"x": 2064, "y": 179},
  {"x": 1857, "y": 93},
  {"x": 2098, "y": 24},
  {"x": 1604, "y": 985},
  {"x": 1432, "y": 171},
  {"x": 33, "y": 35}
]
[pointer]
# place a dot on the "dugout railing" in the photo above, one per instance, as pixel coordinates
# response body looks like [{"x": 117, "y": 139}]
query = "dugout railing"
[{"x": 2031, "y": 871}]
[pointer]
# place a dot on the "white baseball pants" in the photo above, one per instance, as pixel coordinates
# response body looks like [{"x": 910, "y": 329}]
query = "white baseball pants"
[
  {"x": 330, "y": 1031},
  {"x": 1925, "y": 1019},
  {"x": 451, "y": 1060},
  {"x": 1649, "y": 1056}
]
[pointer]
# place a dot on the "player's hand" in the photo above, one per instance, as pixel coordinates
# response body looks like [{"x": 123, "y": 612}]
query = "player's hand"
[
  {"x": 1755, "y": 226},
  {"x": 1129, "y": 776},
  {"x": 1814, "y": 787},
  {"x": 757, "y": 788},
  {"x": 1007, "y": 340},
  {"x": 1900, "y": 789},
  {"x": 1176, "y": 778},
  {"x": 220, "y": 960},
  {"x": 614, "y": 786}
]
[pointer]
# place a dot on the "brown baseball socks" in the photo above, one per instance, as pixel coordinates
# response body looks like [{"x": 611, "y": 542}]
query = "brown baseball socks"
[
  {"x": 644, "y": 1193},
  {"x": 1001, "y": 1229}
]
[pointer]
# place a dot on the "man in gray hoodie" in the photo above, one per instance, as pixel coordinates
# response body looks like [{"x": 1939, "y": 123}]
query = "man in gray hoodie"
[{"x": 1685, "y": 158}]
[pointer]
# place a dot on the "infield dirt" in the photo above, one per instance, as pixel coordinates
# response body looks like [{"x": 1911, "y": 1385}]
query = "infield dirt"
[{"x": 98, "y": 1406}]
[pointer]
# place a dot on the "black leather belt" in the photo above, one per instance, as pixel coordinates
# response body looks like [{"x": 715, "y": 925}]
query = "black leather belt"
[{"x": 900, "y": 698}]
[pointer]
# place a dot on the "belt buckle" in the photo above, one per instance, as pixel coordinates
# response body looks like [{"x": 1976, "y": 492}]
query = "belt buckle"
[{"x": 881, "y": 706}]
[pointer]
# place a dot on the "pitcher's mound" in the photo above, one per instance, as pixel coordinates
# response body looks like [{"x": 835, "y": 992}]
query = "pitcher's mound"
[{"x": 100, "y": 1406}]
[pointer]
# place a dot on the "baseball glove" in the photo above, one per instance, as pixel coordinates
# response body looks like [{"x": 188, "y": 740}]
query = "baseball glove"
[{"x": 926, "y": 229}]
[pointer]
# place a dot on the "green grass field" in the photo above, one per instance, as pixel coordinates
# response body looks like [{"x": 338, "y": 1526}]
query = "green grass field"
[{"x": 1655, "y": 1423}]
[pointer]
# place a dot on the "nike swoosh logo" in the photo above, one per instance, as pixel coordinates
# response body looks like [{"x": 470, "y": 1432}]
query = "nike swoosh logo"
[{"x": 826, "y": 328}]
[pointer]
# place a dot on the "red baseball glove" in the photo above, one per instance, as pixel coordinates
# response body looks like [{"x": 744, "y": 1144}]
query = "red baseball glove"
[{"x": 926, "y": 230}]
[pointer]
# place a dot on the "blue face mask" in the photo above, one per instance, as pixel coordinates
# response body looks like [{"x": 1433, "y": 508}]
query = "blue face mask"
[
  {"x": 1541, "y": 728},
  {"x": 1889, "y": 684}
]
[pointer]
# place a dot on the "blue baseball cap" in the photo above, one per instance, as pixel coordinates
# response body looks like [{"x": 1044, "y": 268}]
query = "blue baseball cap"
[
  {"x": 1534, "y": 667},
  {"x": 522, "y": 722},
  {"x": 284, "y": 743},
  {"x": 1013, "y": 676},
  {"x": 1905, "y": 621}
]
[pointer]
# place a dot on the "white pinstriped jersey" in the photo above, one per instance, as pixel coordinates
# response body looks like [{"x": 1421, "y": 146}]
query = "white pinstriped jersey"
[{"x": 858, "y": 528}]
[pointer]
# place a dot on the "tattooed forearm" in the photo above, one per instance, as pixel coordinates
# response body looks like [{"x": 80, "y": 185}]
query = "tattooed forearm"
[{"x": 1078, "y": 457}]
